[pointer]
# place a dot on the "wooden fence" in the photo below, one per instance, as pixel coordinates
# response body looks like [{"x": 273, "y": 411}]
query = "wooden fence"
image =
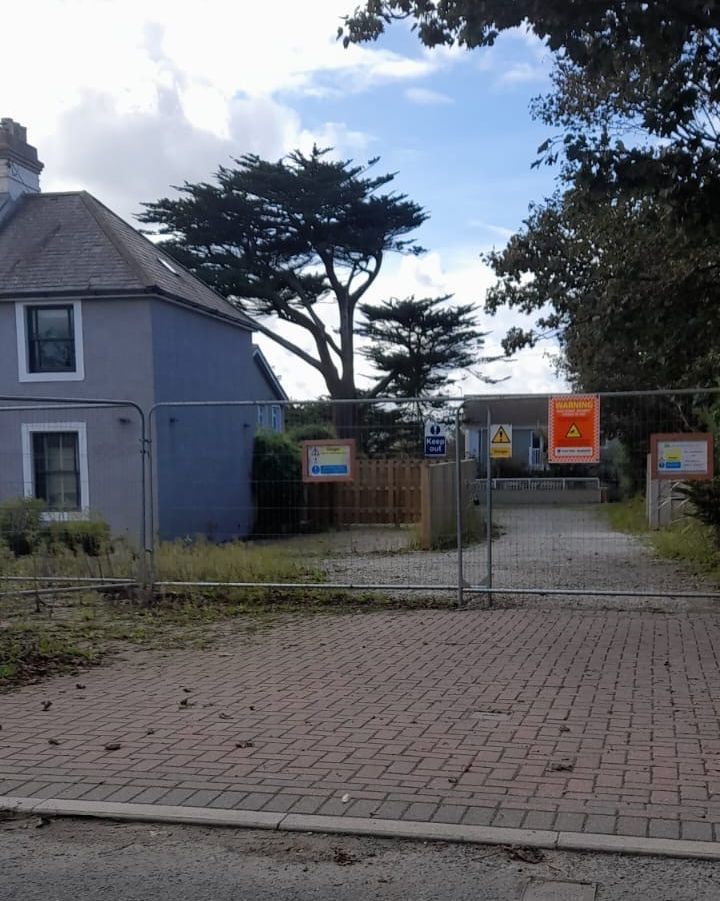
[{"x": 384, "y": 492}]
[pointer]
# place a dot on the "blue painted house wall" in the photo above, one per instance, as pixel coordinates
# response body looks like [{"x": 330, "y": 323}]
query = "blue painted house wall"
[{"x": 204, "y": 454}]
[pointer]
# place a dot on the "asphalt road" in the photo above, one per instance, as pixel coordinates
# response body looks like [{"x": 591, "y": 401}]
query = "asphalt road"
[{"x": 85, "y": 860}]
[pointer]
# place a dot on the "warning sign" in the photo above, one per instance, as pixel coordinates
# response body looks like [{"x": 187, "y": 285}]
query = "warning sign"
[
  {"x": 500, "y": 442},
  {"x": 574, "y": 429}
]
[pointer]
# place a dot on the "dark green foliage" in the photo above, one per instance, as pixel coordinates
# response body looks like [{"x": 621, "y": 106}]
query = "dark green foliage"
[
  {"x": 280, "y": 238},
  {"x": 81, "y": 537},
  {"x": 417, "y": 343},
  {"x": 21, "y": 525},
  {"x": 705, "y": 500},
  {"x": 277, "y": 484}
]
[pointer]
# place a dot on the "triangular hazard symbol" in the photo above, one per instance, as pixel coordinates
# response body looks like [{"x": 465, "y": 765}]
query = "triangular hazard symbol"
[
  {"x": 501, "y": 437},
  {"x": 573, "y": 432}
]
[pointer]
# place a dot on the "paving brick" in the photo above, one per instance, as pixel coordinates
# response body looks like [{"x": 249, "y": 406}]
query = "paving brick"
[
  {"x": 663, "y": 829},
  {"x": 508, "y": 818},
  {"x": 697, "y": 832},
  {"x": 458, "y": 727},
  {"x": 629, "y": 825},
  {"x": 569, "y": 822},
  {"x": 539, "y": 819},
  {"x": 449, "y": 813}
]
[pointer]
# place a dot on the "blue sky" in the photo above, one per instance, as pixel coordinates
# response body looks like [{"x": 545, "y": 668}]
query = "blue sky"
[{"x": 170, "y": 95}]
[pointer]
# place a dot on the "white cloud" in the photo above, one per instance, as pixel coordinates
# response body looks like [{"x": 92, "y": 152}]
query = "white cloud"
[
  {"x": 458, "y": 272},
  {"x": 427, "y": 97}
]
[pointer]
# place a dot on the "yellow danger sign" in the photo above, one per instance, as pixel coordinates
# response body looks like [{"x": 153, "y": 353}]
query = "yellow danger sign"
[
  {"x": 500, "y": 442},
  {"x": 573, "y": 432}
]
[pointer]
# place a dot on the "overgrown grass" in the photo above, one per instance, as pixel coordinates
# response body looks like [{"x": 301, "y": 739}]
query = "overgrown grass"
[
  {"x": 687, "y": 540},
  {"x": 75, "y": 630}
]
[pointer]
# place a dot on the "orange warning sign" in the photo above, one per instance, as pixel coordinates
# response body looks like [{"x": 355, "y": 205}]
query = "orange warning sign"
[{"x": 574, "y": 429}]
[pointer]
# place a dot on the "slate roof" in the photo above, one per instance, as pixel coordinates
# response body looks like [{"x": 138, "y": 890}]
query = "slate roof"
[
  {"x": 266, "y": 371},
  {"x": 70, "y": 244}
]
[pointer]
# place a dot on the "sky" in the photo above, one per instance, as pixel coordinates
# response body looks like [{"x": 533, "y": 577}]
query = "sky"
[{"x": 126, "y": 99}]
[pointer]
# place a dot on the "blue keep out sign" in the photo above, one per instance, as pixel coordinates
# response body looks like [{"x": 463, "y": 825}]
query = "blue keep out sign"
[{"x": 435, "y": 440}]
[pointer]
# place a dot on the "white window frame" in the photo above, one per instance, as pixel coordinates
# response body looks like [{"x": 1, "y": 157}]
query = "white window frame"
[
  {"x": 78, "y": 374},
  {"x": 80, "y": 428}
]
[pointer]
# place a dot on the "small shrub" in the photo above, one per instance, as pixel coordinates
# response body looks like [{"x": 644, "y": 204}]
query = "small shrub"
[
  {"x": 21, "y": 524},
  {"x": 91, "y": 538}
]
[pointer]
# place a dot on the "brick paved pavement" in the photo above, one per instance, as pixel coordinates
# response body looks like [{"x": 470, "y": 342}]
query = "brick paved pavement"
[{"x": 598, "y": 722}]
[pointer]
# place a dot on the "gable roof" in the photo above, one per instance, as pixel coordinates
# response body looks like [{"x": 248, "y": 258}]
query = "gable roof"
[
  {"x": 268, "y": 374},
  {"x": 70, "y": 244}
]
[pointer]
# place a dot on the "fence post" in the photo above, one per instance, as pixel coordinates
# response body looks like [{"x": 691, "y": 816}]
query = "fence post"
[
  {"x": 458, "y": 509},
  {"x": 488, "y": 506}
]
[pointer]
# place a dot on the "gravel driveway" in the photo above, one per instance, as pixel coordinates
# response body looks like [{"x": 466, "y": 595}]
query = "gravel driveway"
[{"x": 546, "y": 547}]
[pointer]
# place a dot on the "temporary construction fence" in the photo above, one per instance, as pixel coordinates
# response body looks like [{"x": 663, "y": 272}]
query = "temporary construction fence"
[
  {"x": 81, "y": 462},
  {"x": 445, "y": 495}
]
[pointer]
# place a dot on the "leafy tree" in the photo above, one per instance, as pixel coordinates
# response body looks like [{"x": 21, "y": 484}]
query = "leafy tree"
[
  {"x": 624, "y": 70},
  {"x": 417, "y": 344},
  {"x": 281, "y": 239}
]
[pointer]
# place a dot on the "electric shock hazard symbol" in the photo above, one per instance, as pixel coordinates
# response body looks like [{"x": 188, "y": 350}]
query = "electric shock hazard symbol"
[
  {"x": 500, "y": 442},
  {"x": 573, "y": 432}
]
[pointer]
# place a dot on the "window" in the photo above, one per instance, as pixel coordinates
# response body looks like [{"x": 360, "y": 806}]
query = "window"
[
  {"x": 49, "y": 341},
  {"x": 275, "y": 418},
  {"x": 55, "y": 467},
  {"x": 261, "y": 416}
]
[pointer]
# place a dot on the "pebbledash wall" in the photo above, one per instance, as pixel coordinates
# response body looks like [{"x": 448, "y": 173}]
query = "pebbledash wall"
[{"x": 148, "y": 350}]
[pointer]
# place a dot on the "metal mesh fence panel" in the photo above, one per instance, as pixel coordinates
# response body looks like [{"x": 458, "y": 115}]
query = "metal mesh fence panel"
[
  {"x": 326, "y": 493},
  {"x": 582, "y": 527},
  {"x": 71, "y": 495}
]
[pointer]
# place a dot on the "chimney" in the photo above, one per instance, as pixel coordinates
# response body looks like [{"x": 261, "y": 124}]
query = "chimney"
[{"x": 19, "y": 165}]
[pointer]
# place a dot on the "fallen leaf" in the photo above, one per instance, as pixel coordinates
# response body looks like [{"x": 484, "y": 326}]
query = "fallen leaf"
[
  {"x": 46, "y": 705},
  {"x": 80, "y": 686},
  {"x": 244, "y": 744},
  {"x": 345, "y": 798},
  {"x": 187, "y": 690},
  {"x": 149, "y": 732},
  {"x": 528, "y": 855},
  {"x": 53, "y": 741},
  {"x": 224, "y": 716},
  {"x": 113, "y": 746},
  {"x": 343, "y": 858},
  {"x": 561, "y": 767}
]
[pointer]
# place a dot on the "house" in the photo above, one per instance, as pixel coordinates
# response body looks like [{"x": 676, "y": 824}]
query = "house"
[
  {"x": 91, "y": 309},
  {"x": 528, "y": 417},
  {"x": 270, "y": 416}
]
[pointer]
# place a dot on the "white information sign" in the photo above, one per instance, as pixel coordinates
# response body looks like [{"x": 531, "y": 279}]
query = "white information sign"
[{"x": 435, "y": 439}]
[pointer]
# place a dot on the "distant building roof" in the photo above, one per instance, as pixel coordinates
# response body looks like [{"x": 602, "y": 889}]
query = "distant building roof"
[
  {"x": 70, "y": 244},
  {"x": 518, "y": 411}
]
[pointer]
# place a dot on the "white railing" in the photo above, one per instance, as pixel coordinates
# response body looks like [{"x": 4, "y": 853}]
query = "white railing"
[{"x": 568, "y": 484}]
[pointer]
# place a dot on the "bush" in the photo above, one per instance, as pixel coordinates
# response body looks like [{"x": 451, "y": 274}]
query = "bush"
[
  {"x": 311, "y": 432},
  {"x": 91, "y": 538},
  {"x": 277, "y": 484},
  {"x": 21, "y": 525}
]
